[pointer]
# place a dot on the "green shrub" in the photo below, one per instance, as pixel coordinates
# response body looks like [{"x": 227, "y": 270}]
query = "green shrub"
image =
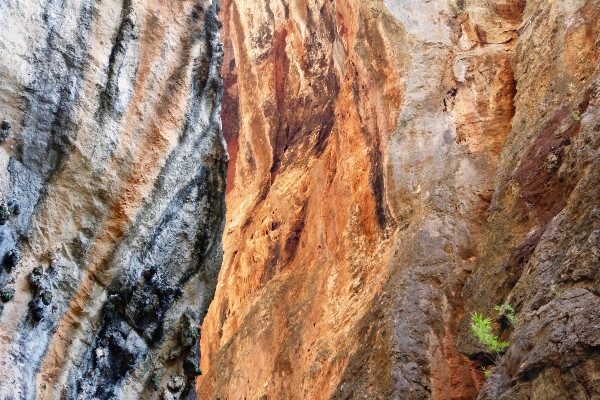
[
  {"x": 188, "y": 331},
  {"x": 481, "y": 328}
]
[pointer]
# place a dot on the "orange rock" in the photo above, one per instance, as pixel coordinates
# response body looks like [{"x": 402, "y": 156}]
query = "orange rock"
[{"x": 366, "y": 136}]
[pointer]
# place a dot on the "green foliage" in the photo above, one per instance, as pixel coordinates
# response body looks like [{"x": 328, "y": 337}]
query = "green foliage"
[
  {"x": 572, "y": 87},
  {"x": 576, "y": 116},
  {"x": 486, "y": 372},
  {"x": 109, "y": 307},
  {"x": 481, "y": 328},
  {"x": 4, "y": 213},
  {"x": 459, "y": 8},
  {"x": 507, "y": 311},
  {"x": 553, "y": 290},
  {"x": 7, "y": 295},
  {"x": 47, "y": 298},
  {"x": 190, "y": 366},
  {"x": 188, "y": 331}
]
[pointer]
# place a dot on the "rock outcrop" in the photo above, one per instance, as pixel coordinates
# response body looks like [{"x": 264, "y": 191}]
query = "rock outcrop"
[
  {"x": 112, "y": 181},
  {"x": 396, "y": 166},
  {"x": 539, "y": 248},
  {"x": 365, "y": 137}
]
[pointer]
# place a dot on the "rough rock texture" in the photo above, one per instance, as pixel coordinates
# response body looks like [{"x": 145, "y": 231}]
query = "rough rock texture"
[
  {"x": 365, "y": 136},
  {"x": 395, "y": 166},
  {"x": 539, "y": 248},
  {"x": 112, "y": 180}
]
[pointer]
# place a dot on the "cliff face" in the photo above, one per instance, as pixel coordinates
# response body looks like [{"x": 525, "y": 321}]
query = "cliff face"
[
  {"x": 396, "y": 165},
  {"x": 112, "y": 186},
  {"x": 365, "y": 137},
  {"x": 539, "y": 246}
]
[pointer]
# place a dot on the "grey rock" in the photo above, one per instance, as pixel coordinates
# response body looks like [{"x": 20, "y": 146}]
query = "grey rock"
[{"x": 115, "y": 164}]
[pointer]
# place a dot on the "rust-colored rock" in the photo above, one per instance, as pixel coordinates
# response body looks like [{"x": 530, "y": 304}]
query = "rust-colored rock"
[{"x": 365, "y": 137}]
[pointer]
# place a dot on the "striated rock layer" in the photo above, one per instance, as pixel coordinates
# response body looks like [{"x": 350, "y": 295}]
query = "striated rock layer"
[
  {"x": 364, "y": 136},
  {"x": 112, "y": 180}
]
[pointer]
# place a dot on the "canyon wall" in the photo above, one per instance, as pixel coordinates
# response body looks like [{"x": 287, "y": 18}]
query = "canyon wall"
[
  {"x": 396, "y": 165},
  {"x": 364, "y": 139},
  {"x": 539, "y": 247},
  {"x": 112, "y": 184}
]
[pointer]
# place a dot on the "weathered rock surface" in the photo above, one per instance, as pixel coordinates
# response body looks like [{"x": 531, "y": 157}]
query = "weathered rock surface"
[
  {"x": 365, "y": 137},
  {"x": 112, "y": 180},
  {"x": 539, "y": 248},
  {"x": 395, "y": 166}
]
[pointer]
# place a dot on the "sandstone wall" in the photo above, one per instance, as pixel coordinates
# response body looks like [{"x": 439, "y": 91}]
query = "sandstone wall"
[
  {"x": 112, "y": 178},
  {"x": 365, "y": 137}
]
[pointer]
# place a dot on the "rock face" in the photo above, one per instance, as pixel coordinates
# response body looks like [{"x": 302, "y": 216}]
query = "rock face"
[
  {"x": 396, "y": 165},
  {"x": 539, "y": 247},
  {"x": 365, "y": 137},
  {"x": 112, "y": 179}
]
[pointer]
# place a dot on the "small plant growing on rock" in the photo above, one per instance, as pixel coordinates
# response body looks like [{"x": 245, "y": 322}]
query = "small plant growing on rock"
[
  {"x": 4, "y": 130},
  {"x": 553, "y": 290},
  {"x": 47, "y": 298},
  {"x": 486, "y": 372},
  {"x": 190, "y": 366},
  {"x": 156, "y": 378},
  {"x": 507, "y": 311},
  {"x": 460, "y": 6},
  {"x": 109, "y": 307},
  {"x": 481, "y": 328},
  {"x": 188, "y": 332},
  {"x": 572, "y": 87},
  {"x": 7, "y": 295},
  {"x": 576, "y": 116}
]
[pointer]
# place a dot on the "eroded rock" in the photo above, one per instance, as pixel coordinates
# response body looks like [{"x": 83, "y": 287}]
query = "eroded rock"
[
  {"x": 362, "y": 175},
  {"x": 115, "y": 162},
  {"x": 11, "y": 259},
  {"x": 538, "y": 248},
  {"x": 5, "y": 127}
]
